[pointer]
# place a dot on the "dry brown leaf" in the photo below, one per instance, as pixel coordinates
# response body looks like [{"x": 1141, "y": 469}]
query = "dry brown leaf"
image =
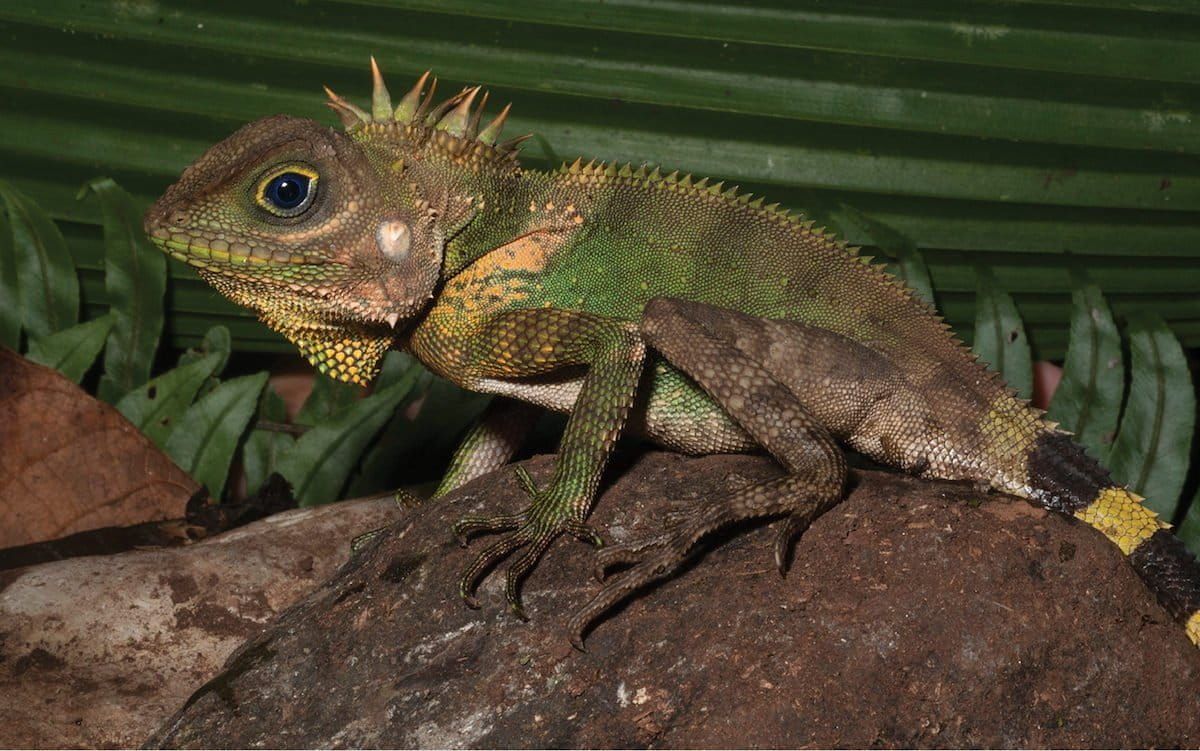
[{"x": 70, "y": 463}]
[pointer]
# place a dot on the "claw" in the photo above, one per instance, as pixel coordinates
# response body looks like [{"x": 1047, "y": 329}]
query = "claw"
[
  {"x": 483, "y": 563},
  {"x": 789, "y": 529},
  {"x": 468, "y": 525},
  {"x": 583, "y": 532}
]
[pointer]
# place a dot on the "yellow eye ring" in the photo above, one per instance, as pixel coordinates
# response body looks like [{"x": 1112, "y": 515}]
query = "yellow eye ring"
[{"x": 287, "y": 191}]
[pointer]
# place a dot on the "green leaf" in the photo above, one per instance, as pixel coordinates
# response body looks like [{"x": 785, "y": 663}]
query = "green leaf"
[
  {"x": 1000, "y": 335},
  {"x": 216, "y": 341},
  {"x": 263, "y": 449},
  {"x": 135, "y": 279},
  {"x": 327, "y": 398},
  {"x": 426, "y": 441},
  {"x": 322, "y": 459},
  {"x": 47, "y": 287},
  {"x": 156, "y": 406},
  {"x": 1152, "y": 446},
  {"x": 206, "y": 438},
  {"x": 10, "y": 311},
  {"x": 1189, "y": 530},
  {"x": 72, "y": 351},
  {"x": 910, "y": 266},
  {"x": 1088, "y": 399}
]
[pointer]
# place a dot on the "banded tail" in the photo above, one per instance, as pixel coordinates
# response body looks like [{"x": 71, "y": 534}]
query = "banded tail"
[{"x": 1064, "y": 478}]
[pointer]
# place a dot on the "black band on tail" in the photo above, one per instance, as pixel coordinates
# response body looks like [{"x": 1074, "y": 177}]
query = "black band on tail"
[
  {"x": 1067, "y": 479},
  {"x": 1171, "y": 572}
]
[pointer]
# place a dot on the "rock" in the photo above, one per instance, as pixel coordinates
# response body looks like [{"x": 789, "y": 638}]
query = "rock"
[
  {"x": 914, "y": 614},
  {"x": 96, "y": 651}
]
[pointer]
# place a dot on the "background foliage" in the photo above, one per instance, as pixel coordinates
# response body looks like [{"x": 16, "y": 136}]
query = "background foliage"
[{"x": 1019, "y": 148}]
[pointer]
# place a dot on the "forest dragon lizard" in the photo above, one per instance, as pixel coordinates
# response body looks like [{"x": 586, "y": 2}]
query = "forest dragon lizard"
[{"x": 632, "y": 299}]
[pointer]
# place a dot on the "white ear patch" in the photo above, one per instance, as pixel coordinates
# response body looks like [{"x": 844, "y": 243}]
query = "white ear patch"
[{"x": 394, "y": 239}]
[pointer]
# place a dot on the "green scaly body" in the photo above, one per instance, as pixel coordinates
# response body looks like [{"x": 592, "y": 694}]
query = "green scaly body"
[{"x": 631, "y": 299}]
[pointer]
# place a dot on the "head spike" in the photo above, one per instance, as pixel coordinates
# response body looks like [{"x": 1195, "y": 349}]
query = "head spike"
[
  {"x": 456, "y": 120},
  {"x": 381, "y": 100},
  {"x": 438, "y": 112},
  {"x": 351, "y": 115},
  {"x": 418, "y": 117},
  {"x": 473, "y": 125},
  {"x": 512, "y": 145},
  {"x": 409, "y": 102},
  {"x": 489, "y": 134}
]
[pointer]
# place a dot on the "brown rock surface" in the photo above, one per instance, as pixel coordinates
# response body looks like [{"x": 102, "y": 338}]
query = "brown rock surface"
[
  {"x": 914, "y": 614},
  {"x": 95, "y": 651}
]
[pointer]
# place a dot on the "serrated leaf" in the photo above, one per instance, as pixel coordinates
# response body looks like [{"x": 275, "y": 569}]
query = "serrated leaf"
[
  {"x": 72, "y": 351},
  {"x": 1000, "y": 335},
  {"x": 1151, "y": 450},
  {"x": 322, "y": 459},
  {"x": 910, "y": 266},
  {"x": 135, "y": 279},
  {"x": 1088, "y": 399},
  {"x": 10, "y": 311},
  {"x": 156, "y": 406},
  {"x": 263, "y": 449},
  {"x": 205, "y": 439},
  {"x": 47, "y": 286}
]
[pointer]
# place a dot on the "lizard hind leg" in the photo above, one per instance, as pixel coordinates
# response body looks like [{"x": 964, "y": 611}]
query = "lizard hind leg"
[{"x": 770, "y": 413}]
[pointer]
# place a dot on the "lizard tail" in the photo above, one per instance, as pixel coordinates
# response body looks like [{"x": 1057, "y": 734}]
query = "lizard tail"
[{"x": 1064, "y": 478}]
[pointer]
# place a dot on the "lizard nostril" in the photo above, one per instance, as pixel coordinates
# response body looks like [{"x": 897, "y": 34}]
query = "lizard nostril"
[{"x": 179, "y": 217}]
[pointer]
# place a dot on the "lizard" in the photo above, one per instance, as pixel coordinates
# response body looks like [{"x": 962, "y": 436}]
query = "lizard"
[{"x": 634, "y": 300}]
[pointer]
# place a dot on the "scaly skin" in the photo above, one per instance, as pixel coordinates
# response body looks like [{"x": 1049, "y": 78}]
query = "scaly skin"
[{"x": 631, "y": 299}]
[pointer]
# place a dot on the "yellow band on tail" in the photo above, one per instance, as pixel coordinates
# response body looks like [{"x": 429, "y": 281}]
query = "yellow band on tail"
[
  {"x": 1120, "y": 515},
  {"x": 1193, "y": 628}
]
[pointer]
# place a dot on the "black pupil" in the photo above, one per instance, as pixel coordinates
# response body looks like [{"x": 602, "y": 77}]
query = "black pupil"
[{"x": 288, "y": 190}]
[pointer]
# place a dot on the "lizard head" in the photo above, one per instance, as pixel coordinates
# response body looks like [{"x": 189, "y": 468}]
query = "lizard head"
[{"x": 335, "y": 239}]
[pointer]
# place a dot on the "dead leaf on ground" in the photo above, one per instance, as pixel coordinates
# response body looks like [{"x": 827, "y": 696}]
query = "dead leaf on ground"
[{"x": 70, "y": 463}]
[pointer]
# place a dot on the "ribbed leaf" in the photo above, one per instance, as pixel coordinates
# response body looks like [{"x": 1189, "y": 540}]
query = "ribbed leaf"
[
  {"x": 1000, "y": 336},
  {"x": 1088, "y": 399},
  {"x": 1151, "y": 450},
  {"x": 135, "y": 280},
  {"x": 205, "y": 439},
  {"x": 323, "y": 458},
  {"x": 72, "y": 351},
  {"x": 263, "y": 449},
  {"x": 47, "y": 288},
  {"x": 1009, "y": 135}
]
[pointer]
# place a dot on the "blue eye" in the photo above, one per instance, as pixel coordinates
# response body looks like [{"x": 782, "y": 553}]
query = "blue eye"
[{"x": 288, "y": 193}]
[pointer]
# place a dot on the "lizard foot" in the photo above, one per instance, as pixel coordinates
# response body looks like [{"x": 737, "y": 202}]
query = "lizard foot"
[
  {"x": 533, "y": 529},
  {"x": 655, "y": 558},
  {"x": 648, "y": 560}
]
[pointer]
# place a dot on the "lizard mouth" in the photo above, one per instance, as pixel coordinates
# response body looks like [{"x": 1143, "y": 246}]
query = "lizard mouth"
[{"x": 212, "y": 253}]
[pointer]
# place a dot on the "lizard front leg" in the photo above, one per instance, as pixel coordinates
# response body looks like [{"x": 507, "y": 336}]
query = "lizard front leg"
[
  {"x": 532, "y": 342},
  {"x": 770, "y": 413}
]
